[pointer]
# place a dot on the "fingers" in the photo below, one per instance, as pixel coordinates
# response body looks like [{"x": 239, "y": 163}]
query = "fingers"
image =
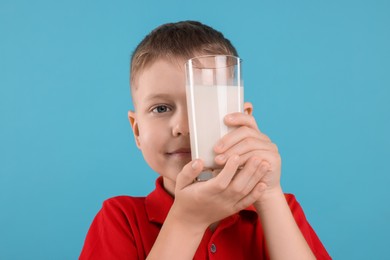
[
  {"x": 272, "y": 158},
  {"x": 245, "y": 179},
  {"x": 239, "y": 119},
  {"x": 246, "y": 148},
  {"x": 236, "y": 136},
  {"x": 223, "y": 179},
  {"x": 233, "y": 189},
  {"x": 189, "y": 173},
  {"x": 261, "y": 170},
  {"x": 252, "y": 197},
  {"x": 246, "y": 128},
  {"x": 247, "y": 184},
  {"x": 239, "y": 182}
]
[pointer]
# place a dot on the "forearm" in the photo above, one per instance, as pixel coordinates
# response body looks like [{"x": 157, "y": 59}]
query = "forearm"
[
  {"x": 283, "y": 237},
  {"x": 176, "y": 240}
]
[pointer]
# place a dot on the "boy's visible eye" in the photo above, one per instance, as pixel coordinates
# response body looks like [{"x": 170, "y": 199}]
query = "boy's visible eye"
[{"x": 161, "y": 109}]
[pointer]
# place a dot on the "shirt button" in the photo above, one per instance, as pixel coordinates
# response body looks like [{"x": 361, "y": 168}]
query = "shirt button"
[{"x": 213, "y": 248}]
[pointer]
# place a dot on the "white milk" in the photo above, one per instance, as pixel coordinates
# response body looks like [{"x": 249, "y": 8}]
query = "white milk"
[{"x": 207, "y": 107}]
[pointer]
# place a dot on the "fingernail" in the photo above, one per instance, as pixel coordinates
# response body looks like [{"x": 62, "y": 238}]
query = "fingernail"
[
  {"x": 219, "y": 145},
  {"x": 229, "y": 118},
  {"x": 221, "y": 157},
  {"x": 264, "y": 166},
  {"x": 257, "y": 163},
  {"x": 195, "y": 164}
]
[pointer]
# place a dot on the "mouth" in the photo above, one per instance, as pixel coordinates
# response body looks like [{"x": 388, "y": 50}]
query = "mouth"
[{"x": 181, "y": 152}]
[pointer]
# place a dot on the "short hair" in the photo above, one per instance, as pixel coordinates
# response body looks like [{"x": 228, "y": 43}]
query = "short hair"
[{"x": 178, "y": 40}]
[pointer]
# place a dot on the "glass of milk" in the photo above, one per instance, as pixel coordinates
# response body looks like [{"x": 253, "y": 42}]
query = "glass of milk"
[{"x": 214, "y": 89}]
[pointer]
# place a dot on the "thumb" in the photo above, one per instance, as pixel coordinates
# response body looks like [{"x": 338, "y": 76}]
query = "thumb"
[{"x": 188, "y": 174}]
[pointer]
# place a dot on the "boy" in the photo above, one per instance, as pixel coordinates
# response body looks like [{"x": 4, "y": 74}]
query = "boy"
[{"x": 241, "y": 213}]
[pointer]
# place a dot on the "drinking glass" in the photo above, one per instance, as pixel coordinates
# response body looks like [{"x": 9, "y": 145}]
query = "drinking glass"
[{"x": 214, "y": 88}]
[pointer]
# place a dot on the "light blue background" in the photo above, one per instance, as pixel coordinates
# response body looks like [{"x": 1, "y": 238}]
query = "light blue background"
[{"x": 317, "y": 72}]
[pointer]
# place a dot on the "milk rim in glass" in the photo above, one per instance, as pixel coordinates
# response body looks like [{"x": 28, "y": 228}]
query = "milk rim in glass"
[{"x": 214, "y": 88}]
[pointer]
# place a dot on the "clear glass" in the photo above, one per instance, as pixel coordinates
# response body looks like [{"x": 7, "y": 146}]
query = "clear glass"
[{"x": 214, "y": 89}]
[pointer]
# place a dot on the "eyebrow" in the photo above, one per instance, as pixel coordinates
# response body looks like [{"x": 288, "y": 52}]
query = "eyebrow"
[{"x": 157, "y": 96}]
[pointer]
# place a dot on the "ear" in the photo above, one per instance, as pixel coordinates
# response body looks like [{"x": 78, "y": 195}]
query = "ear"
[
  {"x": 134, "y": 125},
  {"x": 248, "y": 108}
]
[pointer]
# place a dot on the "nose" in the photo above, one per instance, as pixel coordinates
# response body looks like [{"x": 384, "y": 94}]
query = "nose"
[{"x": 180, "y": 123}]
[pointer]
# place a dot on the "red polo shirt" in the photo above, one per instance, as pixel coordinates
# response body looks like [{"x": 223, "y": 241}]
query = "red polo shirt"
[{"x": 126, "y": 228}]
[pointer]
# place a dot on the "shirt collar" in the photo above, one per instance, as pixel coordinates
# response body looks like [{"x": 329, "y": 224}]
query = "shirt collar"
[{"x": 159, "y": 202}]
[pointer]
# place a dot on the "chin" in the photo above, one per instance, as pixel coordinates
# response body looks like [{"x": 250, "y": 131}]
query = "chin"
[{"x": 175, "y": 170}]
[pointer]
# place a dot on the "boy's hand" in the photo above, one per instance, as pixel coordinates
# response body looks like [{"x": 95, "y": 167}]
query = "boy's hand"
[
  {"x": 248, "y": 142},
  {"x": 252, "y": 169},
  {"x": 200, "y": 204}
]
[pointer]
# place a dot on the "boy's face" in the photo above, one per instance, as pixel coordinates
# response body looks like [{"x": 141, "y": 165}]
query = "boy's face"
[{"x": 160, "y": 122}]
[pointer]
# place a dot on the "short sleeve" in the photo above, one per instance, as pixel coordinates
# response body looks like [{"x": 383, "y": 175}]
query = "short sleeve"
[
  {"x": 307, "y": 231},
  {"x": 109, "y": 236}
]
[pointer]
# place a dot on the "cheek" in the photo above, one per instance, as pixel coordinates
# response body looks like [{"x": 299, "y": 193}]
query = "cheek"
[
  {"x": 152, "y": 144},
  {"x": 147, "y": 139},
  {"x": 151, "y": 137}
]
